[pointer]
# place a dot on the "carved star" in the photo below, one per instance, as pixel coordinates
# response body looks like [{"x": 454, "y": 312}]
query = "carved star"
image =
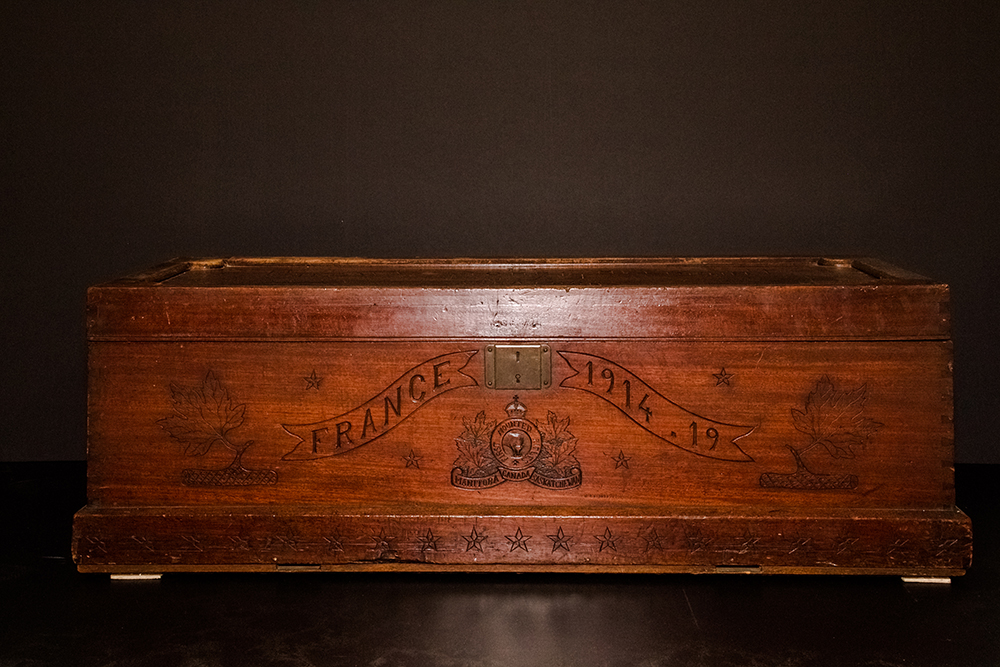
[
  {"x": 144, "y": 542},
  {"x": 722, "y": 377},
  {"x": 749, "y": 541},
  {"x": 412, "y": 460},
  {"x": 518, "y": 541},
  {"x": 696, "y": 541},
  {"x": 898, "y": 544},
  {"x": 383, "y": 544},
  {"x": 621, "y": 461},
  {"x": 334, "y": 543},
  {"x": 800, "y": 543},
  {"x": 846, "y": 544},
  {"x": 312, "y": 381},
  {"x": 292, "y": 542},
  {"x": 652, "y": 541},
  {"x": 194, "y": 544},
  {"x": 607, "y": 541},
  {"x": 97, "y": 544},
  {"x": 944, "y": 546},
  {"x": 428, "y": 542},
  {"x": 560, "y": 540},
  {"x": 240, "y": 543},
  {"x": 474, "y": 541}
]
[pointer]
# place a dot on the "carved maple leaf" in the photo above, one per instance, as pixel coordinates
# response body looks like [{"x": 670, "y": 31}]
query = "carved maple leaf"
[
  {"x": 835, "y": 419},
  {"x": 560, "y": 444},
  {"x": 202, "y": 415},
  {"x": 474, "y": 442},
  {"x": 478, "y": 428}
]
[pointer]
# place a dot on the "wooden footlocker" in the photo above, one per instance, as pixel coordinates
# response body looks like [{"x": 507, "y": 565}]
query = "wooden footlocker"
[{"x": 774, "y": 415}]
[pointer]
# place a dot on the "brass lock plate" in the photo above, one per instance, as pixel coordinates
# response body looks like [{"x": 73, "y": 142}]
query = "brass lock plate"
[{"x": 517, "y": 366}]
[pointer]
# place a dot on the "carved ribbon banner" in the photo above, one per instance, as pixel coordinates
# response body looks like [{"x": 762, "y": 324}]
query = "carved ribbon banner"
[
  {"x": 379, "y": 415},
  {"x": 653, "y": 411}
]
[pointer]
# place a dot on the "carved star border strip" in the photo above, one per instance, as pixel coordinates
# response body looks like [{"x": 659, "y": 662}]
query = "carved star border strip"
[{"x": 649, "y": 542}]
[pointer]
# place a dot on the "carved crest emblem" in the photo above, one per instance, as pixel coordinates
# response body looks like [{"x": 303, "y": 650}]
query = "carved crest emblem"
[{"x": 516, "y": 449}]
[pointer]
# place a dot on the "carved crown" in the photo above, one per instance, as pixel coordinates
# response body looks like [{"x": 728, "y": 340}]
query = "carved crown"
[{"x": 516, "y": 409}]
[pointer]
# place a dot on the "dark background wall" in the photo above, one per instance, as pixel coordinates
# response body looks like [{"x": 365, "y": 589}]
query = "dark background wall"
[{"x": 135, "y": 132}]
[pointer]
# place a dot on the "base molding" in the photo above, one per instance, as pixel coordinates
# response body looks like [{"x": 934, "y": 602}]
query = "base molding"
[{"x": 135, "y": 540}]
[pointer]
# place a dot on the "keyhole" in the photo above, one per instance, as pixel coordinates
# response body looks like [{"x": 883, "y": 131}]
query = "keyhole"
[
  {"x": 517, "y": 357},
  {"x": 517, "y": 378}
]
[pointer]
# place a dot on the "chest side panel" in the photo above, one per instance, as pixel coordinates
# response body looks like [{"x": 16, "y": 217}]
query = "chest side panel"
[{"x": 642, "y": 424}]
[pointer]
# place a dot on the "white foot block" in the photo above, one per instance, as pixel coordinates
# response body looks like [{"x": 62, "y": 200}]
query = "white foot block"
[{"x": 926, "y": 580}]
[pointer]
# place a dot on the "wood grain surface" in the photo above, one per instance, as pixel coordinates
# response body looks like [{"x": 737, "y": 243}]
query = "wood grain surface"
[{"x": 769, "y": 414}]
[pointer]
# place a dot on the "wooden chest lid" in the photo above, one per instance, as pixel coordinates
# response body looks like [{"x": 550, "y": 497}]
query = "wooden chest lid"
[{"x": 738, "y": 298}]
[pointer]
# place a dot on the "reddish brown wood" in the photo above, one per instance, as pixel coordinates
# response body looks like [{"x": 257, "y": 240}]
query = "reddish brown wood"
[
  {"x": 763, "y": 414},
  {"x": 713, "y": 299}
]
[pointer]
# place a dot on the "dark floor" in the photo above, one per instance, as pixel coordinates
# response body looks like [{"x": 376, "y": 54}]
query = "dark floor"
[{"x": 51, "y": 615}]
